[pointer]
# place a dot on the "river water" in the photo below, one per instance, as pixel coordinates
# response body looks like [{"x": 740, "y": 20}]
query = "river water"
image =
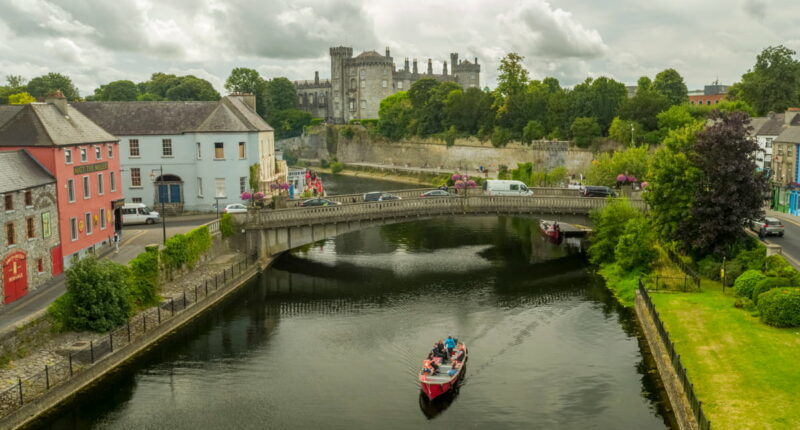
[{"x": 332, "y": 337}]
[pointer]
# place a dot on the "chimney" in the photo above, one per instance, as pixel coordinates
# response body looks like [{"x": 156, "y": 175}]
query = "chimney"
[
  {"x": 316, "y": 77},
  {"x": 476, "y": 60},
  {"x": 59, "y": 101},
  {"x": 430, "y": 66},
  {"x": 387, "y": 52},
  {"x": 415, "y": 66},
  {"x": 247, "y": 98},
  {"x": 444, "y": 68},
  {"x": 406, "y": 66}
]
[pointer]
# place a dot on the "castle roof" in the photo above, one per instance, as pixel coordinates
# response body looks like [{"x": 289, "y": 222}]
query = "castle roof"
[{"x": 367, "y": 54}]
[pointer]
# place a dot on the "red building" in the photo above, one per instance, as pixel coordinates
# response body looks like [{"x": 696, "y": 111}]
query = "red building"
[{"x": 82, "y": 157}]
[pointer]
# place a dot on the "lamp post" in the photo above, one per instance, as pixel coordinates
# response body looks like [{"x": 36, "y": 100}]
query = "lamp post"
[{"x": 153, "y": 177}]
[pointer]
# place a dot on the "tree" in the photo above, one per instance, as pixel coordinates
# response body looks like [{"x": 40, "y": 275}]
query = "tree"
[
  {"x": 191, "y": 88},
  {"x": 533, "y": 130},
  {"x": 669, "y": 83},
  {"x": 117, "y": 91},
  {"x": 731, "y": 191},
  {"x": 394, "y": 116},
  {"x": 609, "y": 225},
  {"x": 635, "y": 247},
  {"x": 677, "y": 116},
  {"x": 428, "y": 98},
  {"x": 772, "y": 84},
  {"x": 632, "y": 162},
  {"x": 15, "y": 81},
  {"x": 584, "y": 130},
  {"x": 625, "y": 132},
  {"x": 244, "y": 80},
  {"x": 21, "y": 99},
  {"x": 255, "y": 177},
  {"x": 468, "y": 111},
  {"x": 289, "y": 122},
  {"x": 643, "y": 84},
  {"x": 279, "y": 94},
  {"x": 42, "y": 86},
  {"x": 643, "y": 108},
  {"x": 513, "y": 76}
]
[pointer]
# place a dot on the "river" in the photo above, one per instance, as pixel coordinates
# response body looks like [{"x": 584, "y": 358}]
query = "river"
[{"x": 332, "y": 336}]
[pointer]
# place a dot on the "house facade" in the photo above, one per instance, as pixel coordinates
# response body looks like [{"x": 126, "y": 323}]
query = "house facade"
[
  {"x": 85, "y": 161},
  {"x": 188, "y": 155},
  {"x": 30, "y": 244}
]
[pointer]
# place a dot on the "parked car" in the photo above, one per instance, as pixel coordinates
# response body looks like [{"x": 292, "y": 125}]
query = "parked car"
[
  {"x": 373, "y": 196},
  {"x": 235, "y": 208},
  {"x": 598, "y": 191},
  {"x": 139, "y": 213},
  {"x": 319, "y": 202},
  {"x": 435, "y": 193},
  {"x": 386, "y": 196},
  {"x": 494, "y": 187},
  {"x": 771, "y": 226}
]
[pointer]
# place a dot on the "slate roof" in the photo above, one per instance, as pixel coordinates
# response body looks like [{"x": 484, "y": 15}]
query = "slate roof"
[
  {"x": 366, "y": 54},
  {"x": 790, "y": 134},
  {"x": 230, "y": 114},
  {"x": 43, "y": 124},
  {"x": 772, "y": 126},
  {"x": 19, "y": 171}
]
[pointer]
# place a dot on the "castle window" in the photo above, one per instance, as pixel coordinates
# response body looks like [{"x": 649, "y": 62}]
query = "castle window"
[
  {"x": 384, "y": 83},
  {"x": 363, "y": 104},
  {"x": 400, "y": 85},
  {"x": 363, "y": 83},
  {"x": 352, "y": 105},
  {"x": 352, "y": 83},
  {"x": 300, "y": 100}
]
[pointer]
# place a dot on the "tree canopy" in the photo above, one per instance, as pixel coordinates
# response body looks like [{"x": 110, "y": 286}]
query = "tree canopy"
[
  {"x": 773, "y": 82},
  {"x": 42, "y": 86}
]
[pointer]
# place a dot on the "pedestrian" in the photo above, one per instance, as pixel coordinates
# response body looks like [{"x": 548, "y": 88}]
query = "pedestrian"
[{"x": 115, "y": 239}]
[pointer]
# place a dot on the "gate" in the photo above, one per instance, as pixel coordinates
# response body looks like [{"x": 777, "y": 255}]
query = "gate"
[{"x": 15, "y": 276}]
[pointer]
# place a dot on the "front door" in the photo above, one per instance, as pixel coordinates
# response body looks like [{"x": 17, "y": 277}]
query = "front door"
[
  {"x": 58, "y": 260},
  {"x": 15, "y": 276}
]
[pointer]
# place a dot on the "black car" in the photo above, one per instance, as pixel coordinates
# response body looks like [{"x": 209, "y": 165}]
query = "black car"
[
  {"x": 318, "y": 202},
  {"x": 436, "y": 193},
  {"x": 373, "y": 196},
  {"x": 598, "y": 191}
]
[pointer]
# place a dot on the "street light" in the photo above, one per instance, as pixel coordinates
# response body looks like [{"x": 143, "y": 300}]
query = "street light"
[{"x": 153, "y": 176}]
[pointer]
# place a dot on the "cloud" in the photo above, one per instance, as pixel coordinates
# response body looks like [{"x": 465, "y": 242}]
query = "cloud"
[{"x": 756, "y": 9}]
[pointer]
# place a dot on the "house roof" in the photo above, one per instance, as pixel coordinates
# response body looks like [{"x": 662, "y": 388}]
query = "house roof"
[
  {"x": 772, "y": 126},
  {"x": 19, "y": 171},
  {"x": 230, "y": 114},
  {"x": 790, "y": 134},
  {"x": 43, "y": 124}
]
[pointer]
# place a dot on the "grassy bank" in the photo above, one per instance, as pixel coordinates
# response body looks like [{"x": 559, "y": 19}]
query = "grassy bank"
[
  {"x": 744, "y": 371},
  {"x": 421, "y": 180}
]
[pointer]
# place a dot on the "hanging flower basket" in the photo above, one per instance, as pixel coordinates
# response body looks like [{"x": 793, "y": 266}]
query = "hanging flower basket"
[
  {"x": 631, "y": 179},
  {"x": 471, "y": 184},
  {"x": 246, "y": 196},
  {"x": 645, "y": 184},
  {"x": 258, "y": 195},
  {"x": 621, "y": 178}
]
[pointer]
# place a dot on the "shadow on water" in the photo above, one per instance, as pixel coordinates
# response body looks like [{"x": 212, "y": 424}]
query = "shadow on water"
[{"x": 433, "y": 408}]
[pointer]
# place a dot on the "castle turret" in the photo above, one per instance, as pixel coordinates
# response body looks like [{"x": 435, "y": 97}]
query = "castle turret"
[
  {"x": 406, "y": 65},
  {"x": 444, "y": 68},
  {"x": 338, "y": 57},
  {"x": 387, "y": 52},
  {"x": 415, "y": 66},
  {"x": 316, "y": 77},
  {"x": 430, "y": 66},
  {"x": 453, "y": 61}
]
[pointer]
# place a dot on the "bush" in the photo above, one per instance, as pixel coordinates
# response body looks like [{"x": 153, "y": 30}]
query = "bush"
[
  {"x": 732, "y": 271},
  {"x": 336, "y": 167},
  {"x": 767, "y": 284},
  {"x": 746, "y": 283},
  {"x": 709, "y": 267},
  {"x": 752, "y": 259},
  {"x": 609, "y": 226},
  {"x": 635, "y": 247},
  {"x": 324, "y": 163},
  {"x": 226, "y": 227},
  {"x": 143, "y": 279},
  {"x": 348, "y": 132},
  {"x": 176, "y": 251},
  {"x": 199, "y": 240},
  {"x": 776, "y": 265},
  {"x": 780, "y": 307}
]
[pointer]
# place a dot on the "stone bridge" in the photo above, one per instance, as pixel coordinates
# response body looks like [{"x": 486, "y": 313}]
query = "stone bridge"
[{"x": 272, "y": 232}]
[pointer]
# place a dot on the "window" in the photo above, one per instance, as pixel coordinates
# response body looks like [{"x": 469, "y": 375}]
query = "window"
[
  {"x": 9, "y": 201},
  {"x": 46, "y": 227},
  {"x": 102, "y": 218},
  {"x": 98, "y": 153},
  {"x": 71, "y": 190},
  {"x": 352, "y": 82},
  {"x": 769, "y": 142},
  {"x": 112, "y": 180},
  {"x": 166, "y": 147},
  {"x": 88, "y": 220},
  {"x": 363, "y": 83},
  {"x": 100, "y": 185},
  {"x": 199, "y": 187},
  {"x": 28, "y": 198},
  {"x": 134, "y": 147},
  {"x": 40, "y": 265},
  {"x": 400, "y": 85},
  {"x": 219, "y": 150},
  {"x": 11, "y": 238},
  {"x": 352, "y": 105},
  {"x": 199, "y": 152},
  {"x": 219, "y": 184},
  {"x": 384, "y": 83},
  {"x": 363, "y": 104},
  {"x": 136, "y": 177},
  {"x": 68, "y": 156},
  {"x": 84, "y": 156},
  {"x": 136, "y": 199},
  {"x": 110, "y": 151},
  {"x": 73, "y": 226},
  {"x": 242, "y": 184},
  {"x": 86, "y": 190},
  {"x": 241, "y": 150},
  {"x": 30, "y": 227}
]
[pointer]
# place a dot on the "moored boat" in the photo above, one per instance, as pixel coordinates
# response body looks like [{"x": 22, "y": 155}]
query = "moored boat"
[
  {"x": 446, "y": 379},
  {"x": 551, "y": 230}
]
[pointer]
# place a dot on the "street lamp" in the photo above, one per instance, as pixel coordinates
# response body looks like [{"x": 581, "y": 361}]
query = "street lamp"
[{"x": 160, "y": 175}]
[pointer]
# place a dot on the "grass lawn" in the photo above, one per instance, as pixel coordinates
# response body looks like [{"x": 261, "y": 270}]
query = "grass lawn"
[{"x": 747, "y": 374}]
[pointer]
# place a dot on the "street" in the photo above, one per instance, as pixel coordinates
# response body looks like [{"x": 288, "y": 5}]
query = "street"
[
  {"x": 790, "y": 242},
  {"x": 134, "y": 239}
]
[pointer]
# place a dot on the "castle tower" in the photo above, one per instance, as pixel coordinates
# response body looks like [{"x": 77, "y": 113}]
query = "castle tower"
[
  {"x": 430, "y": 66},
  {"x": 453, "y": 61},
  {"x": 415, "y": 66},
  {"x": 444, "y": 68},
  {"x": 338, "y": 57},
  {"x": 406, "y": 65}
]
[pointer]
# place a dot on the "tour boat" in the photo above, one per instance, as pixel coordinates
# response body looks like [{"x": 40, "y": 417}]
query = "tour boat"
[
  {"x": 548, "y": 229},
  {"x": 435, "y": 385}
]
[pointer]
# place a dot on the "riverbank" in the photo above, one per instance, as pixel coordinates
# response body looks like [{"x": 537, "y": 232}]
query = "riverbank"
[{"x": 413, "y": 179}]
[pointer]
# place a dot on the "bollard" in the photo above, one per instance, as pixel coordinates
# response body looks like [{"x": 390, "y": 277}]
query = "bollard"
[
  {"x": 46, "y": 377},
  {"x": 206, "y": 282},
  {"x": 70, "y": 365},
  {"x": 144, "y": 322},
  {"x": 215, "y": 281},
  {"x": 184, "y": 298},
  {"x": 195, "y": 294}
]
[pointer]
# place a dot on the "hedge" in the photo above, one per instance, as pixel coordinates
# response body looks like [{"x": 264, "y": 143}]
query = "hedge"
[
  {"x": 780, "y": 307},
  {"x": 226, "y": 227},
  {"x": 746, "y": 283},
  {"x": 767, "y": 284},
  {"x": 143, "y": 279}
]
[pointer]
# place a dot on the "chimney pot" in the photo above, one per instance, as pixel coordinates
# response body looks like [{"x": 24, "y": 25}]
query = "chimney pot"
[{"x": 59, "y": 101}]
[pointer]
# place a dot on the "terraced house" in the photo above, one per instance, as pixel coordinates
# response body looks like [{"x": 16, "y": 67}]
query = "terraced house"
[{"x": 205, "y": 150}]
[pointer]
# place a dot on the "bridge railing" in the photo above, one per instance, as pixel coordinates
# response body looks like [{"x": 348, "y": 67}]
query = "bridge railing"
[{"x": 429, "y": 207}]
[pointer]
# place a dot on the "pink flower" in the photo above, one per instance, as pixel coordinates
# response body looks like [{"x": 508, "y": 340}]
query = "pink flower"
[
  {"x": 246, "y": 196},
  {"x": 258, "y": 195},
  {"x": 621, "y": 177}
]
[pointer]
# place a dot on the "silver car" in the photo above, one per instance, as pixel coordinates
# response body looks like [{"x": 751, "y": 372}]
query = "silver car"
[{"x": 770, "y": 226}]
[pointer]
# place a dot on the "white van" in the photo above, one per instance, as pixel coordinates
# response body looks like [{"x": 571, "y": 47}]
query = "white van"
[
  {"x": 138, "y": 213},
  {"x": 505, "y": 188}
]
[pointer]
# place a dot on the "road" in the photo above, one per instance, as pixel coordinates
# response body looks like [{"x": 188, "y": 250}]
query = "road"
[
  {"x": 790, "y": 242},
  {"x": 134, "y": 239}
]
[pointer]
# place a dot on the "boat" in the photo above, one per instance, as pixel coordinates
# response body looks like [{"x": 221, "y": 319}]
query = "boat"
[
  {"x": 551, "y": 230},
  {"x": 443, "y": 382}
]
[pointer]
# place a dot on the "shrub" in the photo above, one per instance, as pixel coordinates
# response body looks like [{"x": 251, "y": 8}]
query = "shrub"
[
  {"x": 336, "y": 167},
  {"x": 752, "y": 259},
  {"x": 199, "y": 240},
  {"x": 143, "y": 279},
  {"x": 609, "y": 224},
  {"x": 746, "y": 283},
  {"x": 500, "y": 137},
  {"x": 324, "y": 163},
  {"x": 226, "y": 227},
  {"x": 635, "y": 247},
  {"x": 176, "y": 251},
  {"x": 732, "y": 271},
  {"x": 776, "y": 265},
  {"x": 767, "y": 284},
  {"x": 348, "y": 132},
  {"x": 709, "y": 267},
  {"x": 780, "y": 307}
]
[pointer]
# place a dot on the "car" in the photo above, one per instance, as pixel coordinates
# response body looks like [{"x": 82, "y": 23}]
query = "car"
[
  {"x": 235, "y": 208},
  {"x": 435, "y": 193},
  {"x": 771, "y": 226},
  {"x": 318, "y": 202},
  {"x": 386, "y": 196},
  {"x": 138, "y": 213},
  {"x": 494, "y": 187},
  {"x": 373, "y": 196},
  {"x": 598, "y": 191}
]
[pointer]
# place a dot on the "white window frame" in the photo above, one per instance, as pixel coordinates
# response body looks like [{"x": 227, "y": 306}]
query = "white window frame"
[
  {"x": 98, "y": 153},
  {"x": 103, "y": 218},
  {"x": 138, "y": 176},
  {"x": 110, "y": 151},
  {"x": 199, "y": 187},
  {"x": 71, "y": 190},
  {"x": 242, "y": 184},
  {"x": 68, "y": 156},
  {"x": 242, "y": 150},
  {"x": 84, "y": 155},
  {"x": 219, "y": 191},
  {"x": 87, "y": 187},
  {"x": 101, "y": 189},
  {"x": 166, "y": 146},
  {"x": 73, "y": 225},
  {"x": 112, "y": 181},
  {"x": 87, "y": 218},
  {"x": 222, "y": 147},
  {"x": 134, "y": 144},
  {"x": 384, "y": 83},
  {"x": 199, "y": 151}
]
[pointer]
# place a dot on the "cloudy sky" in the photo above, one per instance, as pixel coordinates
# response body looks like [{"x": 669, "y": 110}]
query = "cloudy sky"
[{"x": 98, "y": 41}]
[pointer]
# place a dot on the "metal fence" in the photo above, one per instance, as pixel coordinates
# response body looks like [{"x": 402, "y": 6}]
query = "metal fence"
[
  {"x": 675, "y": 359},
  {"x": 683, "y": 283},
  {"x": 685, "y": 268},
  {"x": 88, "y": 353}
]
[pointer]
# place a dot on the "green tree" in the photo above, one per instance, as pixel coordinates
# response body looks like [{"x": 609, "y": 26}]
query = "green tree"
[
  {"x": 625, "y": 132},
  {"x": 635, "y": 247},
  {"x": 117, "y": 91},
  {"x": 428, "y": 98},
  {"x": 584, "y": 130},
  {"x": 533, "y": 130},
  {"x": 279, "y": 94},
  {"x": 669, "y": 83},
  {"x": 289, "y": 122},
  {"x": 468, "y": 111},
  {"x": 609, "y": 225},
  {"x": 255, "y": 177},
  {"x": 15, "y": 81},
  {"x": 192, "y": 88},
  {"x": 677, "y": 116},
  {"x": 644, "y": 108},
  {"x": 644, "y": 84},
  {"x": 395, "y": 115},
  {"x": 773, "y": 82},
  {"x": 632, "y": 161},
  {"x": 512, "y": 75},
  {"x": 244, "y": 80},
  {"x": 149, "y": 97},
  {"x": 21, "y": 99},
  {"x": 42, "y": 86}
]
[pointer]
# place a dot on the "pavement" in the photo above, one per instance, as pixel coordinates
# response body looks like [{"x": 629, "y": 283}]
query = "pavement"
[
  {"x": 134, "y": 239},
  {"x": 790, "y": 242}
]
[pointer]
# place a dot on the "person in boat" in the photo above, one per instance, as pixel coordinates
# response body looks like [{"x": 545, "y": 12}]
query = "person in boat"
[
  {"x": 461, "y": 353},
  {"x": 556, "y": 227},
  {"x": 450, "y": 344},
  {"x": 439, "y": 351},
  {"x": 433, "y": 362}
]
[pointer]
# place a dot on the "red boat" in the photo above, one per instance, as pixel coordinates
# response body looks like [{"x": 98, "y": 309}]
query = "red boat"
[
  {"x": 551, "y": 230},
  {"x": 442, "y": 382}
]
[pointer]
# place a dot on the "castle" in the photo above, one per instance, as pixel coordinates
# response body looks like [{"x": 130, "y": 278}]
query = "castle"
[{"x": 358, "y": 84}]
